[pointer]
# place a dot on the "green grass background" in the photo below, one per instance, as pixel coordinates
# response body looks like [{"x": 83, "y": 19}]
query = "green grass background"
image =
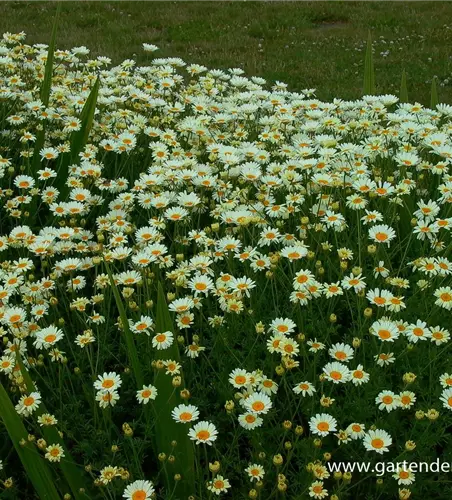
[{"x": 305, "y": 44}]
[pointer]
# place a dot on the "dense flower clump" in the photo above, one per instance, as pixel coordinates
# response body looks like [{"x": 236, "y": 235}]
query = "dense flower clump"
[{"x": 303, "y": 249}]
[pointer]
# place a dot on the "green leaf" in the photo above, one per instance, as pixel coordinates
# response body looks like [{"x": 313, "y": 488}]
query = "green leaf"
[
  {"x": 78, "y": 140},
  {"x": 128, "y": 335},
  {"x": 35, "y": 466},
  {"x": 166, "y": 429},
  {"x": 403, "y": 88},
  {"x": 47, "y": 83},
  {"x": 45, "y": 98},
  {"x": 369, "y": 72},
  {"x": 46, "y": 87},
  {"x": 434, "y": 101},
  {"x": 71, "y": 472}
]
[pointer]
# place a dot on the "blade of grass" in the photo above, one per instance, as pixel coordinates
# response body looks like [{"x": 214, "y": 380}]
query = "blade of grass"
[
  {"x": 72, "y": 474},
  {"x": 166, "y": 429},
  {"x": 46, "y": 88},
  {"x": 35, "y": 466},
  {"x": 369, "y": 72},
  {"x": 403, "y": 88},
  {"x": 128, "y": 335},
  {"x": 45, "y": 98},
  {"x": 434, "y": 100},
  {"x": 78, "y": 140}
]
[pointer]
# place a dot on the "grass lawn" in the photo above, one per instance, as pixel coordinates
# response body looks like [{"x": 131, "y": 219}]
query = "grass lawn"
[{"x": 305, "y": 44}]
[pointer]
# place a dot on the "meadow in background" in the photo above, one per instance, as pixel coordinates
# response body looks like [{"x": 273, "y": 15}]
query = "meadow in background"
[{"x": 304, "y": 44}]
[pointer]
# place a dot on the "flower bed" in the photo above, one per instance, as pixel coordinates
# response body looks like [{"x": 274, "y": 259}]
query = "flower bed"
[{"x": 210, "y": 285}]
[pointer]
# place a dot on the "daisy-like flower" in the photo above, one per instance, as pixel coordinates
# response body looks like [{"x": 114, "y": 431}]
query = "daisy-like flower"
[
  {"x": 372, "y": 217},
  {"x": 404, "y": 476},
  {"x": 149, "y": 47},
  {"x": 242, "y": 285},
  {"x": 381, "y": 233},
  {"x": 315, "y": 345},
  {"x": 304, "y": 388},
  {"x": 417, "y": 332},
  {"x": 387, "y": 400},
  {"x": 333, "y": 220},
  {"x": 337, "y": 372},
  {"x": 258, "y": 403},
  {"x": 47, "y": 337},
  {"x": 322, "y": 424},
  {"x": 332, "y": 290},
  {"x": 201, "y": 284},
  {"x": 176, "y": 214},
  {"x": 250, "y": 421},
  {"x": 446, "y": 380},
  {"x": 381, "y": 270},
  {"x": 162, "y": 340},
  {"x": 269, "y": 236},
  {"x": 359, "y": 376},
  {"x": 24, "y": 182},
  {"x": 396, "y": 304},
  {"x": 14, "y": 316},
  {"x": 107, "y": 398},
  {"x": 182, "y": 305},
  {"x": 268, "y": 386},
  {"x": 377, "y": 440},
  {"x": 239, "y": 378},
  {"x": 203, "y": 433},
  {"x": 146, "y": 394},
  {"x": 303, "y": 279},
  {"x": 446, "y": 398},
  {"x": 172, "y": 367},
  {"x": 255, "y": 472},
  {"x": 284, "y": 326},
  {"x": 259, "y": 262},
  {"x": 406, "y": 399},
  {"x": 49, "y": 153},
  {"x": 139, "y": 490},
  {"x": 379, "y": 298},
  {"x": 193, "y": 350},
  {"x": 54, "y": 453},
  {"x": 288, "y": 347},
  {"x": 356, "y": 282},
  {"x": 108, "y": 473},
  {"x": 341, "y": 352},
  {"x": 317, "y": 490},
  {"x": 185, "y": 414},
  {"x": 28, "y": 404},
  {"x": 108, "y": 382},
  {"x": 218, "y": 485},
  {"x": 294, "y": 252},
  {"x": 84, "y": 339},
  {"x": 444, "y": 297},
  {"x": 385, "y": 330},
  {"x": 46, "y": 419},
  {"x": 144, "y": 325},
  {"x": 356, "y": 430},
  {"x": 384, "y": 359},
  {"x": 7, "y": 364}
]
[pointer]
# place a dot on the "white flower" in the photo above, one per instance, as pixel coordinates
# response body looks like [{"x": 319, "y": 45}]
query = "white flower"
[
  {"x": 203, "y": 433},
  {"x": 139, "y": 490},
  {"x": 377, "y": 440},
  {"x": 258, "y": 403},
  {"x": 185, "y": 413},
  {"x": 322, "y": 424}
]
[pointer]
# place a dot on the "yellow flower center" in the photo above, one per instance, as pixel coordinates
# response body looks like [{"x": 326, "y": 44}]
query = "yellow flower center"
[
  {"x": 377, "y": 443},
  {"x": 258, "y": 406},
  {"x": 203, "y": 435}
]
